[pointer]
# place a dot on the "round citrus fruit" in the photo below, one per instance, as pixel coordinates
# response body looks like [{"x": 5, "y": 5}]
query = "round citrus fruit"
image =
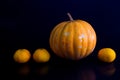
[
  {"x": 21, "y": 55},
  {"x": 41, "y": 55},
  {"x": 106, "y": 55}
]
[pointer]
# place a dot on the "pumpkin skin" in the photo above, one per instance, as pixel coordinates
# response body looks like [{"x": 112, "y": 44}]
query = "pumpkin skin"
[{"x": 75, "y": 39}]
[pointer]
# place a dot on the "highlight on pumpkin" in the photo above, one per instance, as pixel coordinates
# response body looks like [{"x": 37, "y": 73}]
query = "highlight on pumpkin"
[{"x": 73, "y": 40}]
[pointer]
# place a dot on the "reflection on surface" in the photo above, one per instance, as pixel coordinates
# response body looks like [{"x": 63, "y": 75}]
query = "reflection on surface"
[
  {"x": 73, "y": 72},
  {"x": 67, "y": 71},
  {"x": 107, "y": 70},
  {"x": 86, "y": 74},
  {"x": 42, "y": 70},
  {"x": 24, "y": 70}
]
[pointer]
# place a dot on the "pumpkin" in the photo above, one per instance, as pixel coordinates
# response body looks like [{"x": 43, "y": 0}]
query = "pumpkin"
[{"x": 74, "y": 39}]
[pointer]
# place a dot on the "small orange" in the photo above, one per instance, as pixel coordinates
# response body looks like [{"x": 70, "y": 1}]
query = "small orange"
[
  {"x": 41, "y": 55},
  {"x": 107, "y": 55},
  {"x": 21, "y": 55}
]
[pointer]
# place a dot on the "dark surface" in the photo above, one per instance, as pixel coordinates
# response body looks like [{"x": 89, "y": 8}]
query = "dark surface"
[
  {"x": 28, "y": 23},
  {"x": 89, "y": 68}
]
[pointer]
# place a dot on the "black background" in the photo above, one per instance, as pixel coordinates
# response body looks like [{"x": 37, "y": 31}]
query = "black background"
[{"x": 28, "y": 23}]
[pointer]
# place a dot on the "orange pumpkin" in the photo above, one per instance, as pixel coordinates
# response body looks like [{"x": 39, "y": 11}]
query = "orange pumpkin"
[{"x": 74, "y": 39}]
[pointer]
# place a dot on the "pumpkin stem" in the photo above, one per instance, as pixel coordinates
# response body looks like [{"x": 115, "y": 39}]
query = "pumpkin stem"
[{"x": 69, "y": 15}]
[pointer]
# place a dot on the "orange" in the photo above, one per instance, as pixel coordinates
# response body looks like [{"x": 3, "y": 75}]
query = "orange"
[
  {"x": 107, "y": 55},
  {"x": 41, "y": 55},
  {"x": 21, "y": 55}
]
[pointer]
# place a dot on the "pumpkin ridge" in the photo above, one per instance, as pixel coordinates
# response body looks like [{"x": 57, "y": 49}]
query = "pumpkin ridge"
[
  {"x": 56, "y": 46},
  {"x": 92, "y": 32},
  {"x": 52, "y": 37},
  {"x": 82, "y": 28},
  {"x": 66, "y": 40},
  {"x": 73, "y": 41},
  {"x": 94, "y": 41},
  {"x": 90, "y": 43},
  {"x": 74, "y": 44},
  {"x": 63, "y": 52},
  {"x": 87, "y": 41},
  {"x": 69, "y": 40}
]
